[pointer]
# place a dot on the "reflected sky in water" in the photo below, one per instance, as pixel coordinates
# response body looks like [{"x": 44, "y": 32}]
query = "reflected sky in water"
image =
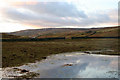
[{"x": 83, "y": 66}]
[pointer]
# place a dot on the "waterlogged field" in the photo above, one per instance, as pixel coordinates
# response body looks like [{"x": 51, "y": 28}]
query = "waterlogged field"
[{"x": 19, "y": 53}]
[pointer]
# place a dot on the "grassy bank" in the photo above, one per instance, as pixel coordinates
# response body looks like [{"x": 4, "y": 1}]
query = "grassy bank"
[{"x": 18, "y": 53}]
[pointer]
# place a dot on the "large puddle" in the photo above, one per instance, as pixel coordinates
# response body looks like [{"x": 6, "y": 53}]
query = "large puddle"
[{"x": 72, "y": 65}]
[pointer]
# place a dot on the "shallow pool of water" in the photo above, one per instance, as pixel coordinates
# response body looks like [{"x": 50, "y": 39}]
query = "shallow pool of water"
[{"x": 75, "y": 65}]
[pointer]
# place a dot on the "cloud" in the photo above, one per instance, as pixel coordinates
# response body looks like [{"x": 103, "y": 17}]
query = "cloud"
[
  {"x": 57, "y": 14},
  {"x": 58, "y": 9}
]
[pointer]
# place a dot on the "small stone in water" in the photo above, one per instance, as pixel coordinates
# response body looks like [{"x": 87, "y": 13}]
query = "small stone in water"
[
  {"x": 68, "y": 65},
  {"x": 24, "y": 71},
  {"x": 44, "y": 57}
]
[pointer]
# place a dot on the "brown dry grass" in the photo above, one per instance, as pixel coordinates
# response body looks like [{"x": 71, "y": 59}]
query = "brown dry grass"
[{"x": 19, "y": 53}]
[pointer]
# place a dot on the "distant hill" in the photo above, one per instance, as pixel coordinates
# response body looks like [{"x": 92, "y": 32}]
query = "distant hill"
[
  {"x": 46, "y": 32},
  {"x": 10, "y": 36},
  {"x": 107, "y": 32},
  {"x": 68, "y": 32}
]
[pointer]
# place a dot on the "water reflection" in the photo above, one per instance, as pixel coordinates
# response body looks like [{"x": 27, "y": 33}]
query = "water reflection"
[{"x": 83, "y": 66}]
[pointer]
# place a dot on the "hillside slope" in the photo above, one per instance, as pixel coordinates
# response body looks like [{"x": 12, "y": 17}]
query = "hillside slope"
[
  {"x": 10, "y": 36},
  {"x": 69, "y": 32}
]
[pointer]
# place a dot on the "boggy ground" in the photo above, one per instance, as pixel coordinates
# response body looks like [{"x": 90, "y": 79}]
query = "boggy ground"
[{"x": 19, "y": 53}]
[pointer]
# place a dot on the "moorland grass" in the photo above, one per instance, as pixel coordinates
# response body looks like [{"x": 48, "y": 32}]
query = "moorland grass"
[{"x": 19, "y": 53}]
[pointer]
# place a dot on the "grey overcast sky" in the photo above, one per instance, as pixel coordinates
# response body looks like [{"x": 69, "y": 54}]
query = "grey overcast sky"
[{"x": 18, "y": 15}]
